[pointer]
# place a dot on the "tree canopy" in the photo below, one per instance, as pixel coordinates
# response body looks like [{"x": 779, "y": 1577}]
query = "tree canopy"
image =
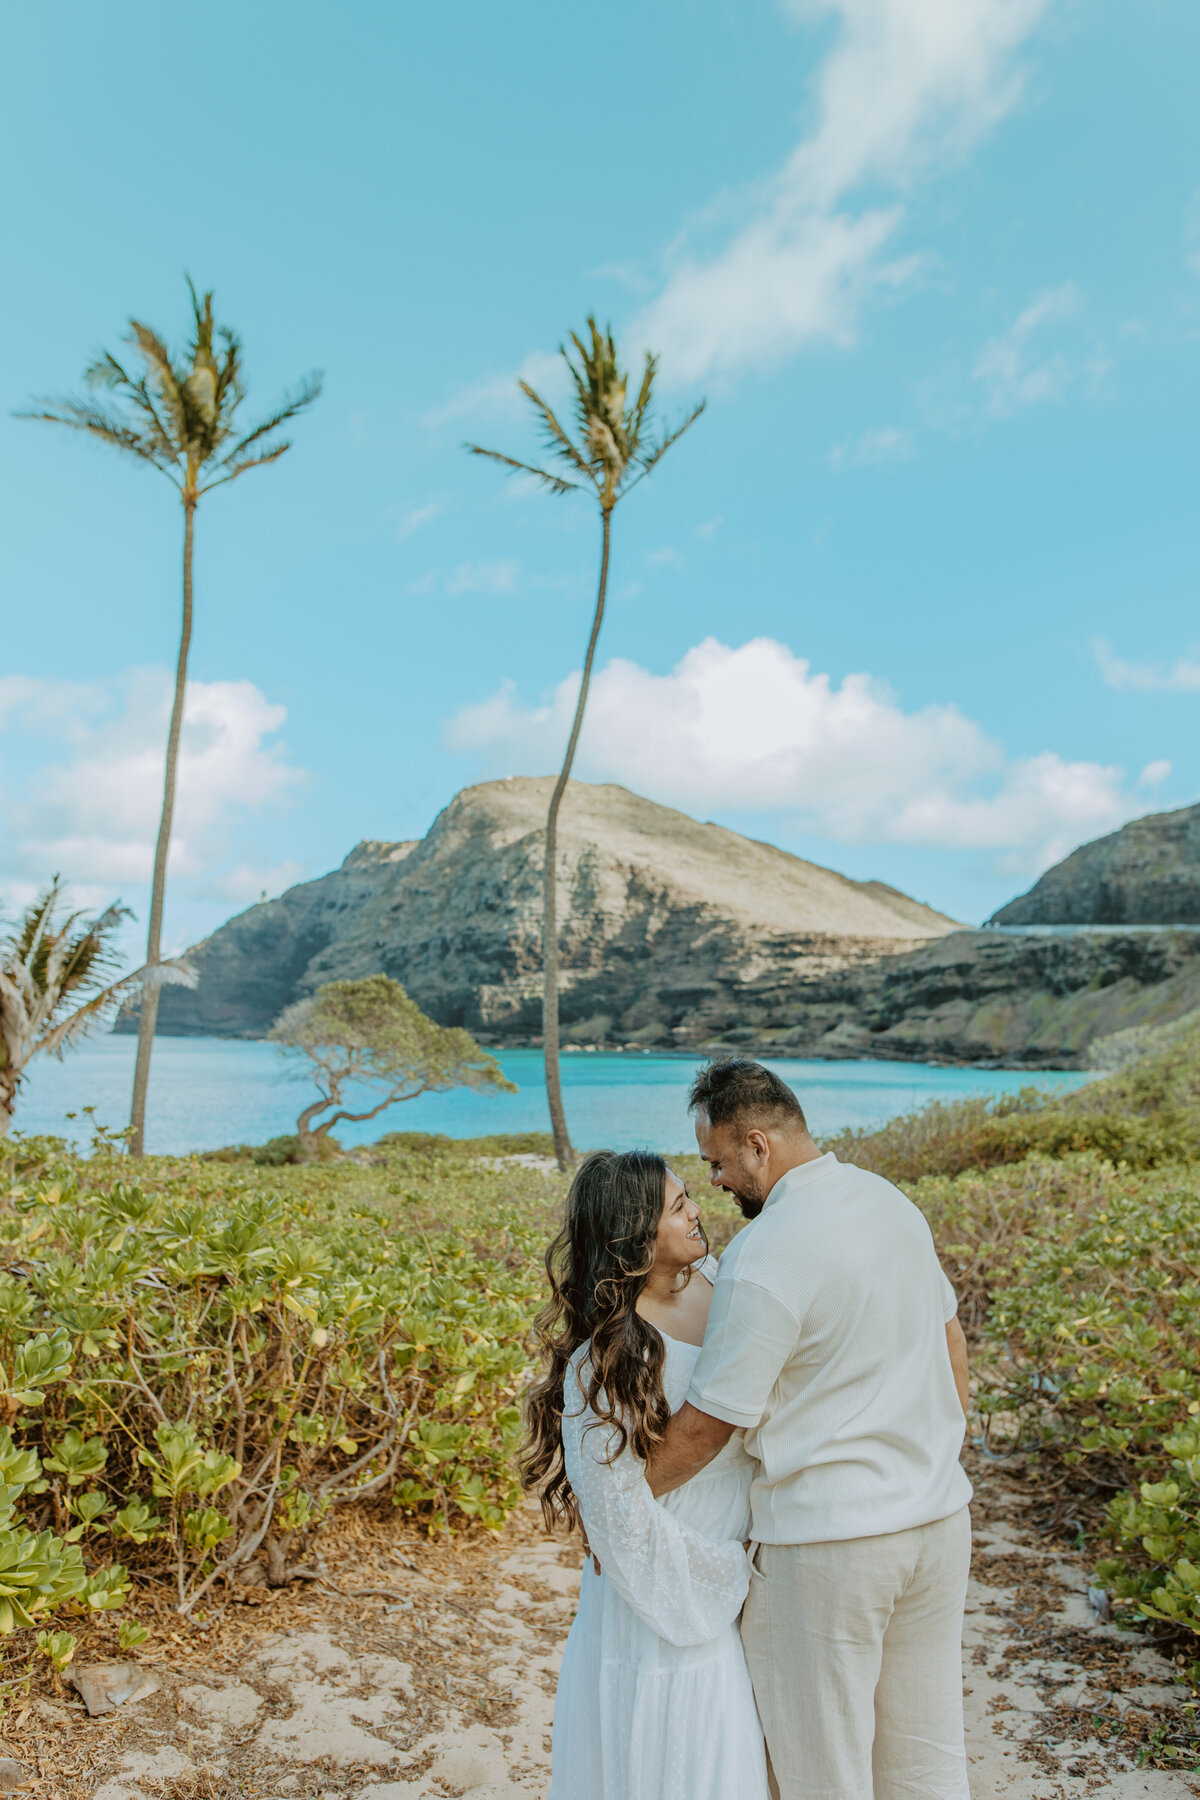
[
  {"x": 180, "y": 414},
  {"x": 369, "y": 1032},
  {"x": 612, "y": 449}
]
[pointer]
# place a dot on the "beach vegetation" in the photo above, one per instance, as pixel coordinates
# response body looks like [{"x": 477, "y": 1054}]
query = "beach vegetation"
[
  {"x": 58, "y": 981},
  {"x": 198, "y": 1369}
]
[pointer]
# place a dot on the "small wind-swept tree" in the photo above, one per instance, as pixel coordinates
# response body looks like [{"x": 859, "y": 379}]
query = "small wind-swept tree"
[
  {"x": 179, "y": 416},
  {"x": 611, "y": 450},
  {"x": 54, "y": 987},
  {"x": 371, "y": 1034}
]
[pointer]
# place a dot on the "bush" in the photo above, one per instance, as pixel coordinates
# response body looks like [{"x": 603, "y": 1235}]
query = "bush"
[
  {"x": 947, "y": 1138},
  {"x": 1081, "y": 1279},
  {"x": 276, "y": 1153},
  {"x": 504, "y": 1143},
  {"x": 203, "y": 1361}
]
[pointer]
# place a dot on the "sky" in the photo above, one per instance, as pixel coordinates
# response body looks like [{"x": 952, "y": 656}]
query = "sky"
[{"x": 914, "y": 598}]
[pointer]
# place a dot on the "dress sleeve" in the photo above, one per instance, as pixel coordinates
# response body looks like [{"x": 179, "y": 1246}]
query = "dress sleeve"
[{"x": 684, "y": 1586}]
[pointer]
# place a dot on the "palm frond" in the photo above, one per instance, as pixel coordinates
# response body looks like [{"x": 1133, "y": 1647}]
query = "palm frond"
[
  {"x": 296, "y": 402},
  {"x": 107, "y": 372},
  {"x": 143, "y": 400},
  {"x": 659, "y": 450},
  {"x": 97, "y": 421},
  {"x": 93, "y": 1012},
  {"x": 249, "y": 462},
  {"x": 179, "y": 414},
  {"x": 558, "y": 439},
  {"x": 164, "y": 376},
  {"x": 88, "y": 954},
  {"x": 643, "y": 405},
  {"x": 556, "y": 483},
  {"x": 607, "y": 447}
]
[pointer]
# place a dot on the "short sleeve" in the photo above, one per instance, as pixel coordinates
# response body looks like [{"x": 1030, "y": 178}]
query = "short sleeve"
[
  {"x": 949, "y": 1297},
  {"x": 749, "y": 1338}
]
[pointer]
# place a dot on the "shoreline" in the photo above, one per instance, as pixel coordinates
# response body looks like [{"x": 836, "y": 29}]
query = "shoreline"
[{"x": 761, "y": 1052}]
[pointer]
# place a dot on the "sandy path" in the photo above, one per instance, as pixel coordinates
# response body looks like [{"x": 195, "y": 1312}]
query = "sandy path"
[{"x": 444, "y": 1685}]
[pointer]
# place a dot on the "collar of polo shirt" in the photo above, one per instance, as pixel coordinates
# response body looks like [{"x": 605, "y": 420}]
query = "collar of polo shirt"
[{"x": 801, "y": 1176}]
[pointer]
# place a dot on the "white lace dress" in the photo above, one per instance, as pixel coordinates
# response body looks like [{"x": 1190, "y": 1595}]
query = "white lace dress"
[{"x": 654, "y": 1699}]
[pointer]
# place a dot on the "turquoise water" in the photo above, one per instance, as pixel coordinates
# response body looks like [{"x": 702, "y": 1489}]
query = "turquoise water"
[{"x": 205, "y": 1092}]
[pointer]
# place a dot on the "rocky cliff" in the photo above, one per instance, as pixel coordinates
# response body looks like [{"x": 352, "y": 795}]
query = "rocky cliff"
[
  {"x": 668, "y": 925},
  {"x": 1148, "y": 873},
  {"x": 987, "y": 997}
]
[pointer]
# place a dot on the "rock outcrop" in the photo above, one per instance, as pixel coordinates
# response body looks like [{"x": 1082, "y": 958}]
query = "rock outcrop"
[
  {"x": 1148, "y": 873},
  {"x": 668, "y": 925},
  {"x": 984, "y": 997}
]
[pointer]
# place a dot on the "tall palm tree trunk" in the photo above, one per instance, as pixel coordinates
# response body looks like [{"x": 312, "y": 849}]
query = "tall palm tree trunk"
[
  {"x": 8, "y": 1098},
  {"x": 558, "y": 1120},
  {"x": 148, "y": 1015}
]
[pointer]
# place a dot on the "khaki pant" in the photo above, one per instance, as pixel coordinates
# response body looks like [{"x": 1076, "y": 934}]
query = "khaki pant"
[{"x": 855, "y": 1649}]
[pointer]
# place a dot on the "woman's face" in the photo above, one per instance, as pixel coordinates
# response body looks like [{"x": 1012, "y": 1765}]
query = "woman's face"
[{"x": 679, "y": 1240}]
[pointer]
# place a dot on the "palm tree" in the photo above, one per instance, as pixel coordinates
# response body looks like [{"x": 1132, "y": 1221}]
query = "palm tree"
[
  {"x": 53, "y": 988},
  {"x": 609, "y": 454},
  {"x": 181, "y": 418}
]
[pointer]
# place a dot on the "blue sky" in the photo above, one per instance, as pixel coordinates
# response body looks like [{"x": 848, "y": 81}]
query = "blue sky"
[{"x": 915, "y": 598}]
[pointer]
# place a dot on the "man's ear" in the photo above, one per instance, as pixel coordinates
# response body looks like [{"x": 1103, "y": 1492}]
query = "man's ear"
[{"x": 758, "y": 1144}]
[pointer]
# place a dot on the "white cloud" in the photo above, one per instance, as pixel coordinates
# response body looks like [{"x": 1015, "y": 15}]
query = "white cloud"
[
  {"x": 872, "y": 449},
  {"x": 500, "y": 394},
  {"x": 246, "y": 883},
  {"x": 497, "y": 575},
  {"x": 90, "y": 809},
  {"x": 908, "y": 85},
  {"x": 1183, "y": 677},
  {"x": 756, "y": 729},
  {"x": 1012, "y": 367},
  {"x": 667, "y": 557},
  {"x": 1154, "y": 773},
  {"x": 412, "y": 518},
  {"x": 710, "y": 527},
  {"x": 62, "y": 707}
]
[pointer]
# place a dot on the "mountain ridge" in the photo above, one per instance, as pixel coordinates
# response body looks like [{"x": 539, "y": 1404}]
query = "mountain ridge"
[
  {"x": 665, "y": 921},
  {"x": 1145, "y": 873}
]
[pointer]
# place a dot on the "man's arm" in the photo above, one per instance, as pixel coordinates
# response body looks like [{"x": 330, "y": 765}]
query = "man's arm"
[
  {"x": 692, "y": 1439},
  {"x": 956, "y": 1343}
]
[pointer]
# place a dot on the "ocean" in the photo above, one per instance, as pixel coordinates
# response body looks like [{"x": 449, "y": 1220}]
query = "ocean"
[{"x": 206, "y": 1092}]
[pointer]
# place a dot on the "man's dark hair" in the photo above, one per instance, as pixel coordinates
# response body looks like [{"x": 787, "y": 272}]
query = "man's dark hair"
[{"x": 732, "y": 1090}]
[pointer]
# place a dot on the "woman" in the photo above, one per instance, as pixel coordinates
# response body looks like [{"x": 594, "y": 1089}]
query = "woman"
[{"x": 654, "y": 1699}]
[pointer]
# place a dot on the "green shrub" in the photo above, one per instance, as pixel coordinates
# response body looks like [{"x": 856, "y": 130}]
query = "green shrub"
[
  {"x": 1082, "y": 1279},
  {"x": 947, "y": 1138},
  {"x": 276, "y": 1153},
  {"x": 504, "y": 1143},
  {"x": 195, "y": 1363}
]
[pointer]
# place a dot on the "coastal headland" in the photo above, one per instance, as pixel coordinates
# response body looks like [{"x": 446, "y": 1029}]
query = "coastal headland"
[{"x": 682, "y": 935}]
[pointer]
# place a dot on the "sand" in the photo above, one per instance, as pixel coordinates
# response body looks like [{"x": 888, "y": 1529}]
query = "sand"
[{"x": 443, "y": 1685}]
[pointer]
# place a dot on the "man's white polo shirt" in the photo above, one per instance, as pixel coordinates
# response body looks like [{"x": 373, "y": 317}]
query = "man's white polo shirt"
[{"x": 827, "y": 1343}]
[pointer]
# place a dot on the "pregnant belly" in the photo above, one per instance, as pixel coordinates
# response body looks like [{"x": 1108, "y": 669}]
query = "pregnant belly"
[{"x": 717, "y": 1501}]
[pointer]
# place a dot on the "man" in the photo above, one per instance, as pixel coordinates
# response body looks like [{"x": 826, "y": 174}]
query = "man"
[{"x": 833, "y": 1342}]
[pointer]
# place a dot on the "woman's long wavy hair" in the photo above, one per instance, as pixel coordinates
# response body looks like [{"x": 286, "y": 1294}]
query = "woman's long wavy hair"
[{"x": 598, "y": 1264}]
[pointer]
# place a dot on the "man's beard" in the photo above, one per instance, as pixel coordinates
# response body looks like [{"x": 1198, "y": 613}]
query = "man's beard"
[{"x": 751, "y": 1204}]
